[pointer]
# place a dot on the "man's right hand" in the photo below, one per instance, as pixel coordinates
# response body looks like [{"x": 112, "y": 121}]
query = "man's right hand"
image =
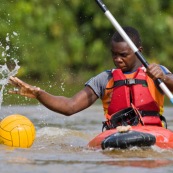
[{"x": 23, "y": 88}]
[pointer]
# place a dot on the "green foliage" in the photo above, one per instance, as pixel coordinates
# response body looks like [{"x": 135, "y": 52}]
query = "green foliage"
[{"x": 72, "y": 37}]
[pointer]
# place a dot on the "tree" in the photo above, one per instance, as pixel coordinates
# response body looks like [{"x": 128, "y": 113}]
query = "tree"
[{"x": 72, "y": 37}]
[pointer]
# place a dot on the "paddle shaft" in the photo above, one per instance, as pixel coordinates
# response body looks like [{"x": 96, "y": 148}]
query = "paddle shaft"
[{"x": 132, "y": 46}]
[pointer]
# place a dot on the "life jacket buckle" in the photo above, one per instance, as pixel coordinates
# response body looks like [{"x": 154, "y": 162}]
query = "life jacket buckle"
[{"x": 130, "y": 81}]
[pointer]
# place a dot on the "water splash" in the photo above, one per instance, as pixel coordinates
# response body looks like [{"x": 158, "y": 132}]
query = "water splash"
[
  {"x": 5, "y": 75},
  {"x": 6, "y": 56},
  {"x": 62, "y": 86}
]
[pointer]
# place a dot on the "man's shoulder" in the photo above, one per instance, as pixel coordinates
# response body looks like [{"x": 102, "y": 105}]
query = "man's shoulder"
[
  {"x": 101, "y": 79},
  {"x": 104, "y": 76},
  {"x": 105, "y": 73},
  {"x": 99, "y": 82}
]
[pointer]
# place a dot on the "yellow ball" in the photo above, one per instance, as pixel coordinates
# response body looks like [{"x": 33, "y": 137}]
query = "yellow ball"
[{"x": 17, "y": 131}]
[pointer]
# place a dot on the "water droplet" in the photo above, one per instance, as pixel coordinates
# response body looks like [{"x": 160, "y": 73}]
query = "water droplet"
[
  {"x": 15, "y": 33},
  {"x": 7, "y": 47}
]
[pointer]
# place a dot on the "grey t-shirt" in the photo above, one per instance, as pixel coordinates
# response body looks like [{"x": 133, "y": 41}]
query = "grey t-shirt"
[{"x": 99, "y": 82}]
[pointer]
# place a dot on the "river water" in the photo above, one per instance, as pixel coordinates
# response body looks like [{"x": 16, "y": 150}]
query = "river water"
[{"x": 61, "y": 146}]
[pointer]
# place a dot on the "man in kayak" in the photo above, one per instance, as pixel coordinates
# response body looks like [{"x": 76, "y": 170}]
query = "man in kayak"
[{"x": 128, "y": 85}]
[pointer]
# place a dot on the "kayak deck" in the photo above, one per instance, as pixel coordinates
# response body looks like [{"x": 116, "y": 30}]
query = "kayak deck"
[{"x": 137, "y": 136}]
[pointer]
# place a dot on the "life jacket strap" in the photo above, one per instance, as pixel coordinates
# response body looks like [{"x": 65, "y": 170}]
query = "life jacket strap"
[
  {"x": 129, "y": 82},
  {"x": 149, "y": 113},
  {"x": 106, "y": 125},
  {"x": 154, "y": 113},
  {"x": 164, "y": 122}
]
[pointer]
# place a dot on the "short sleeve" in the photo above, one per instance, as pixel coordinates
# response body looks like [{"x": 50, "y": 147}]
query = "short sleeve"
[{"x": 99, "y": 82}]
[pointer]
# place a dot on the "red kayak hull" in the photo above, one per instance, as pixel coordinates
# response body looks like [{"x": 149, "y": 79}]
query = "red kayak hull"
[{"x": 164, "y": 137}]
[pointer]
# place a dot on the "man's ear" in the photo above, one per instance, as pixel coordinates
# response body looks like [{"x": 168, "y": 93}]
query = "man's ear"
[{"x": 140, "y": 48}]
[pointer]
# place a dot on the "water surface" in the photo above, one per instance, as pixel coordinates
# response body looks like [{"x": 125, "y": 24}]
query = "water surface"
[{"x": 61, "y": 146}]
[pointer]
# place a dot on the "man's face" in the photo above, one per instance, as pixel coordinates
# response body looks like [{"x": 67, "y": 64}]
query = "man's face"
[{"x": 123, "y": 56}]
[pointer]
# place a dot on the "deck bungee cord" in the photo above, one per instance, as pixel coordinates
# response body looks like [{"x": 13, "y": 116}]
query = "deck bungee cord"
[{"x": 133, "y": 47}]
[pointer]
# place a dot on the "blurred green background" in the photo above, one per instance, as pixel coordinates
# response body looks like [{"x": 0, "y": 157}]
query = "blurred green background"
[{"x": 60, "y": 44}]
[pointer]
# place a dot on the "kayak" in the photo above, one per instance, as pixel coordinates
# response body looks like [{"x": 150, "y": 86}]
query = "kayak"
[{"x": 138, "y": 136}]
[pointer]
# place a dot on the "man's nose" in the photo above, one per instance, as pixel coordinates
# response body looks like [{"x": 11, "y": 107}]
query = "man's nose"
[{"x": 118, "y": 59}]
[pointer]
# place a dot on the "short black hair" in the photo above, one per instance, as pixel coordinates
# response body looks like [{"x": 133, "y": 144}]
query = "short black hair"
[{"x": 132, "y": 33}]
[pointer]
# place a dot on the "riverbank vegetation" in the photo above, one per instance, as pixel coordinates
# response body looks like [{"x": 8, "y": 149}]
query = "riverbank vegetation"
[{"x": 67, "y": 42}]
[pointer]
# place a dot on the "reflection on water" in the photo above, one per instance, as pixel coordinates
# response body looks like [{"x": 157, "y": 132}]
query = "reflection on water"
[{"x": 61, "y": 146}]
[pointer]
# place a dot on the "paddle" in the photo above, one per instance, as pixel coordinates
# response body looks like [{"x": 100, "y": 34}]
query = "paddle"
[{"x": 132, "y": 46}]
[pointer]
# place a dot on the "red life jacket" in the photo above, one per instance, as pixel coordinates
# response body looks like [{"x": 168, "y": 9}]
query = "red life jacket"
[{"x": 135, "y": 91}]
